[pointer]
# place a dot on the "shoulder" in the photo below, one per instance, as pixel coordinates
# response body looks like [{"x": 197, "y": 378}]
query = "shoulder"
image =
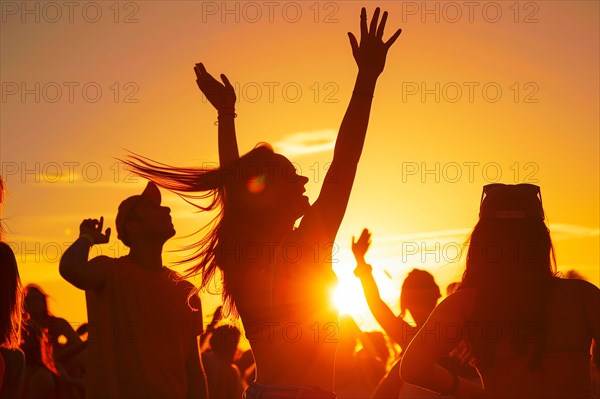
[
  {"x": 185, "y": 290},
  {"x": 574, "y": 283},
  {"x": 459, "y": 303},
  {"x": 103, "y": 260},
  {"x": 14, "y": 357},
  {"x": 574, "y": 286}
]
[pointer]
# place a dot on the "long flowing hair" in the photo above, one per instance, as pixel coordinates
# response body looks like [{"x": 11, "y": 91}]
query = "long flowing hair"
[
  {"x": 511, "y": 263},
  {"x": 37, "y": 347},
  {"x": 229, "y": 190},
  {"x": 11, "y": 299}
]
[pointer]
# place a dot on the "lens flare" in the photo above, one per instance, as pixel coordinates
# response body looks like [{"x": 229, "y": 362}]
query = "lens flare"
[{"x": 256, "y": 184}]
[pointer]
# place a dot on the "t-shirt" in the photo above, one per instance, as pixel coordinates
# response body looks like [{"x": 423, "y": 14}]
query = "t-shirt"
[{"x": 141, "y": 332}]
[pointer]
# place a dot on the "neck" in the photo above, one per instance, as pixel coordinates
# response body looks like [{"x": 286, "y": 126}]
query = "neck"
[
  {"x": 147, "y": 255},
  {"x": 266, "y": 227}
]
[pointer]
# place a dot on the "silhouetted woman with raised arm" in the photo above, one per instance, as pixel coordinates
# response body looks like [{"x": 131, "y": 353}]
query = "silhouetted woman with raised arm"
[
  {"x": 278, "y": 278},
  {"x": 419, "y": 296},
  {"x": 527, "y": 332}
]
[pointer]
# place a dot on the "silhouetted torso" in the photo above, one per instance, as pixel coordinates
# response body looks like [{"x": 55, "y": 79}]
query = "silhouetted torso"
[
  {"x": 287, "y": 312},
  {"x": 565, "y": 364}
]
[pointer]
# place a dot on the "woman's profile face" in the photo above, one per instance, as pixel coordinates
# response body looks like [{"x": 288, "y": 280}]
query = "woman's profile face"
[
  {"x": 275, "y": 187},
  {"x": 289, "y": 188}
]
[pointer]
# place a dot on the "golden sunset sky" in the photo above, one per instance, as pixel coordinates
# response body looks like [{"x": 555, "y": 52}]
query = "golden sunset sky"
[{"x": 472, "y": 94}]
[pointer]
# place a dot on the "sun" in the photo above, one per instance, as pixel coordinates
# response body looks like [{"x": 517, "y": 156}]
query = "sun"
[{"x": 348, "y": 297}]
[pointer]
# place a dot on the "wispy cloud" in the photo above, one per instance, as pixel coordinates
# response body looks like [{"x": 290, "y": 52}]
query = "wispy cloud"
[
  {"x": 452, "y": 241},
  {"x": 561, "y": 231},
  {"x": 302, "y": 143}
]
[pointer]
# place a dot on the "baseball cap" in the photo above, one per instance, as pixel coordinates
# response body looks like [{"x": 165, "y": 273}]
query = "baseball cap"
[{"x": 151, "y": 192}]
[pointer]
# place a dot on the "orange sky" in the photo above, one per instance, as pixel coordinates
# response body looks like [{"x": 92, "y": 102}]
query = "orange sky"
[{"x": 502, "y": 92}]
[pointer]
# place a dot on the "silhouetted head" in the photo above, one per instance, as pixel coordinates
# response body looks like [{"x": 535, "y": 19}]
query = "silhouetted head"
[
  {"x": 142, "y": 218},
  {"x": 511, "y": 242},
  {"x": 10, "y": 299},
  {"x": 36, "y": 302},
  {"x": 263, "y": 187},
  {"x": 510, "y": 263},
  {"x": 419, "y": 295},
  {"x": 224, "y": 341}
]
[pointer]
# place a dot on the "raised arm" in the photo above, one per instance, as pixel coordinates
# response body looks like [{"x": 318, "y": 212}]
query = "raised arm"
[
  {"x": 394, "y": 327},
  {"x": 222, "y": 97},
  {"x": 419, "y": 363},
  {"x": 74, "y": 265},
  {"x": 370, "y": 57}
]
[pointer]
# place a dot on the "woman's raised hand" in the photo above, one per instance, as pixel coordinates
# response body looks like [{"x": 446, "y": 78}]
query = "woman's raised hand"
[
  {"x": 220, "y": 95},
  {"x": 371, "y": 52},
  {"x": 360, "y": 247}
]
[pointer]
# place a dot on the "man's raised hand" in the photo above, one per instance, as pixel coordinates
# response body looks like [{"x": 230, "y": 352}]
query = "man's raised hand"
[{"x": 91, "y": 230}]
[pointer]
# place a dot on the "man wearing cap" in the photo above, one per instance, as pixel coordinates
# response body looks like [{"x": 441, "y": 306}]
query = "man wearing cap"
[{"x": 142, "y": 328}]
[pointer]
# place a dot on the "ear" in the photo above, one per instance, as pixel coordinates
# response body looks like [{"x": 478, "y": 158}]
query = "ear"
[{"x": 133, "y": 227}]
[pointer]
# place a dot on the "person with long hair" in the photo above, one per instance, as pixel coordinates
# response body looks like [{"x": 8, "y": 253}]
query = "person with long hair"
[
  {"x": 42, "y": 378},
  {"x": 222, "y": 375},
  {"x": 526, "y": 331},
  {"x": 279, "y": 278},
  {"x": 67, "y": 347},
  {"x": 12, "y": 360},
  {"x": 419, "y": 296}
]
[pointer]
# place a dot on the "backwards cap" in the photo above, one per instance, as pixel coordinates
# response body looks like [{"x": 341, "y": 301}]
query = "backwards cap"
[{"x": 151, "y": 193}]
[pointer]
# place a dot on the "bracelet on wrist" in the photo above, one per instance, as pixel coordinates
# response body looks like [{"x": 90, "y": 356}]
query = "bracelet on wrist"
[{"x": 232, "y": 114}]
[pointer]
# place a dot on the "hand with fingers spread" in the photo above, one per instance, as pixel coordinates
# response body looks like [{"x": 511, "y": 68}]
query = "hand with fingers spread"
[
  {"x": 370, "y": 54},
  {"x": 359, "y": 249},
  {"x": 220, "y": 95},
  {"x": 91, "y": 230}
]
